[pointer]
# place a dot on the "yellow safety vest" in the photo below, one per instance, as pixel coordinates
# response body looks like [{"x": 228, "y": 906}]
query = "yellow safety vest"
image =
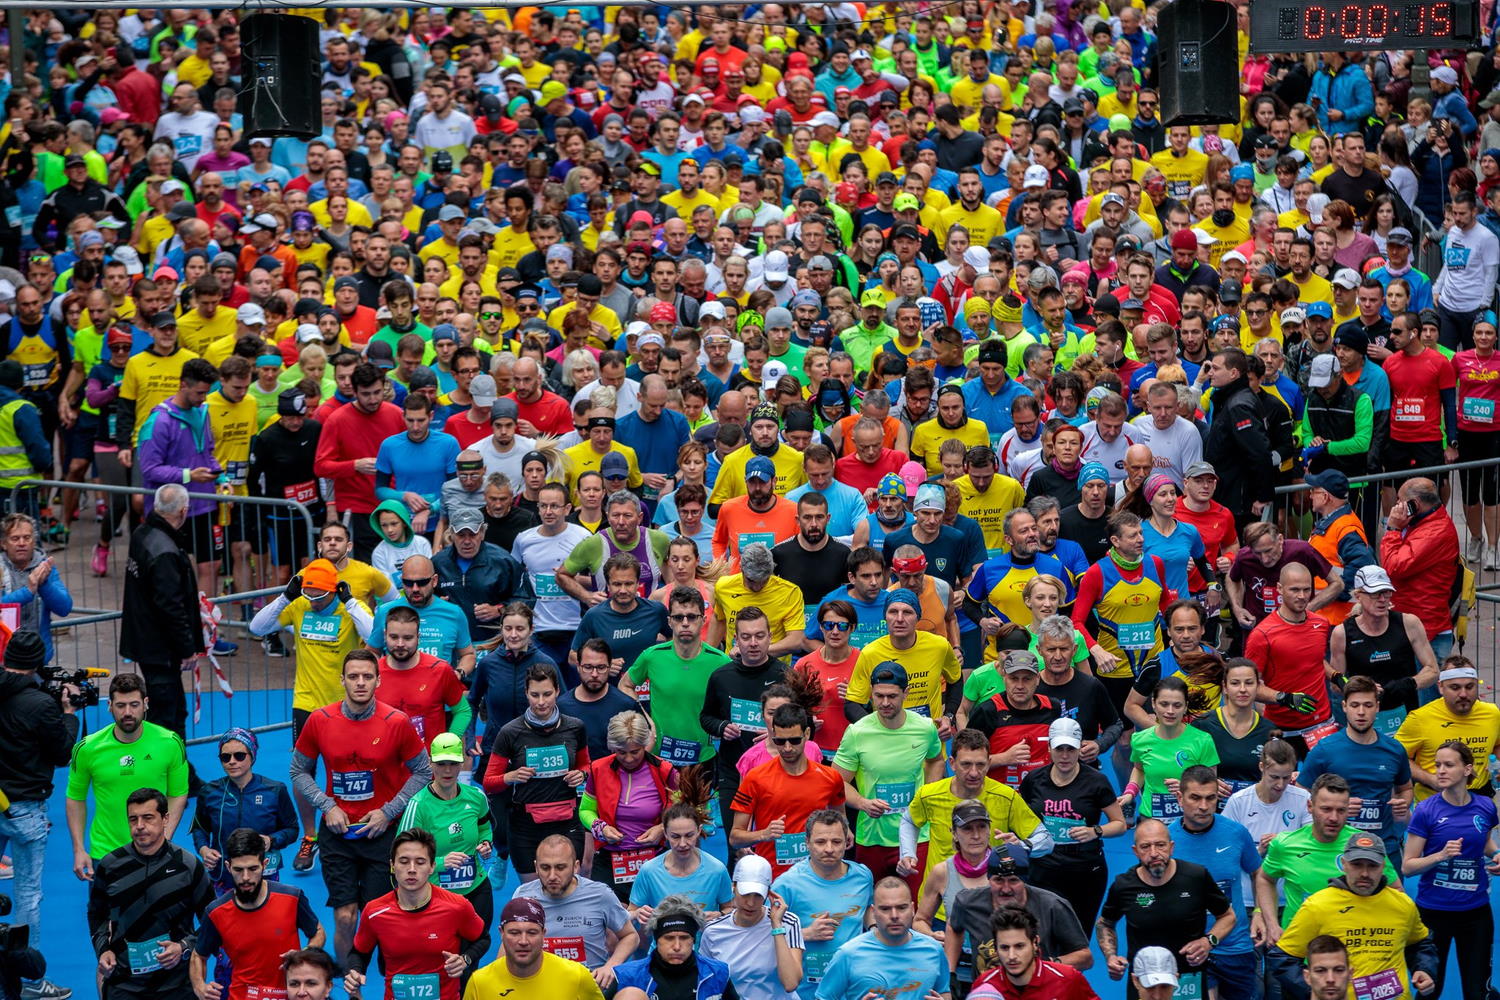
[{"x": 15, "y": 464}]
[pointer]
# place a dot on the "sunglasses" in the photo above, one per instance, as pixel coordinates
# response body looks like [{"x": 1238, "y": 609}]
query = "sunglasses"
[
  {"x": 526, "y": 308},
  {"x": 837, "y": 626},
  {"x": 237, "y": 756},
  {"x": 491, "y": 315},
  {"x": 409, "y": 582},
  {"x": 786, "y": 741},
  {"x": 119, "y": 347},
  {"x": 684, "y": 619}
]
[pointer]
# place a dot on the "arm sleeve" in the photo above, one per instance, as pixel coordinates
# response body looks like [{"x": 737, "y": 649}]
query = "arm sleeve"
[
  {"x": 420, "y": 773},
  {"x": 301, "y": 773},
  {"x": 364, "y": 622},
  {"x": 268, "y": 618}
]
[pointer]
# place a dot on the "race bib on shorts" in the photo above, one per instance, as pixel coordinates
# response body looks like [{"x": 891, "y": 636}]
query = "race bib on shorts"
[
  {"x": 570, "y": 948},
  {"x": 1384, "y": 985},
  {"x": 415, "y": 986},
  {"x": 458, "y": 879},
  {"x": 624, "y": 866},
  {"x": 679, "y": 752}
]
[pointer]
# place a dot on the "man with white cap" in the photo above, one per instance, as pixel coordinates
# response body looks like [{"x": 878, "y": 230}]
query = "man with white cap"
[
  {"x": 954, "y": 289},
  {"x": 759, "y": 938},
  {"x": 1383, "y": 644},
  {"x": 1338, "y": 423},
  {"x": 1450, "y": 102},
  {"x": 1394, "y": 956},
  {"x": 1458, "y": 714},
  {"x": 1153, "y": 974}
]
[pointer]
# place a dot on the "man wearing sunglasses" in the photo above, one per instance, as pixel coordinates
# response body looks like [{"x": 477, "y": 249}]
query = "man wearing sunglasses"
[
  {"x": 443, "y": 630},
  {"x": 776, "y": 798}
]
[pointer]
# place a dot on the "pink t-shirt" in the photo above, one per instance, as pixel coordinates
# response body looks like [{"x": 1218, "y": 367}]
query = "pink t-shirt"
[{"x": 1478, "y": 390}]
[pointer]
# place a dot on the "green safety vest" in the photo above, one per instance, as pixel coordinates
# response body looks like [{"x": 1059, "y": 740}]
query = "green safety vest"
[{"x": 15, "y": 464}]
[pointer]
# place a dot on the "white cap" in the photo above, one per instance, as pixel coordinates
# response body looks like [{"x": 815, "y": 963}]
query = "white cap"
[
  {"x": 1154, "y": 967},
  {"x": 978, "y": 258},
  {"x": 1036, "y": 176},
  {"x": 771, "y": 373},
  {"x": 1204, "y": 239},
  {"x": 260, "y": 140},
  {"x": 752, "y": 874},
  {"x": 307, "y": 333},
  {"x": 825, "y": 118},
  {"x": 131, "y": 258},
  {"x": 775, "y": 268},
  {"x": 636, "y": 328},
  {"x": 1293, "y": 315},
  {"x": 1373, "y": 580},
  {"x": 1324, "y": 370},
  {"x": 1315, "y": 205},
  {"x": 250, "y": 314},
  {"x": 712, "y": 310},
  {"x": 692, "y": 97},
  {"x": 1234, "y": 255},
  {"x": 859, "y": 54},
  {"x": 1065, "y": 732},
  {"x": 1445, "y": 74},
  {"x": 1346, "y": 277}
]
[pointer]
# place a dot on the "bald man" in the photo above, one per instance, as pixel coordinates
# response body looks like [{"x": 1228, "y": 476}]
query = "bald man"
[
  {"x": 539, "y": 410},
  {"x": 442, "y": 626},
  {"x": 1139, "y": 464},
  {"x": 1290, "y": 647}
]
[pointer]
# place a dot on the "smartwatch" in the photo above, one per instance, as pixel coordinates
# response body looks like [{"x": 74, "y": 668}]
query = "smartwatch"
[
  {"x": 1098, "y": 831},
  {"x": 1213, "y": 940}
]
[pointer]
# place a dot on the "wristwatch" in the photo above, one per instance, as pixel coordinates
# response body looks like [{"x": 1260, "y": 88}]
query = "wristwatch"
[
  {"x": 1098, "y": 831},
  {"x": 1213, "y": 940}
]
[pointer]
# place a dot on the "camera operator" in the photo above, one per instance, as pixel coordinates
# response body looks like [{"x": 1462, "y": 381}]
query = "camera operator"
[{"x": 36, "y": 736}]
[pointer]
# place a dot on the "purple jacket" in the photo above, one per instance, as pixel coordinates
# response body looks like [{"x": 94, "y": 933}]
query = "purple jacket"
[{"x": 172, "y": 442}]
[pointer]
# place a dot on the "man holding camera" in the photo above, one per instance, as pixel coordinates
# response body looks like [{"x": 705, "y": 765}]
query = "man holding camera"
[{"x": 37, "y": 732}]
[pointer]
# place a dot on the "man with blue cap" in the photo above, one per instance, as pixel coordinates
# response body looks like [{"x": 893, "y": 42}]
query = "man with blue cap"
[{"x": 929, "y": 660}]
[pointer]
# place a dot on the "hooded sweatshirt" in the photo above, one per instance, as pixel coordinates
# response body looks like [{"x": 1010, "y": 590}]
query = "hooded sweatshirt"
[
  {"x": 172, "y": 443},
  {"x": 388, "y": 555}
]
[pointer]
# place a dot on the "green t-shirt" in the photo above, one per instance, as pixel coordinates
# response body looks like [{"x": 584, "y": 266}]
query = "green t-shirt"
[
  {"x": 386, "y": 335},
  {"x": 88, "y": 348},
  {"x": 156, "y": 759},
  {"x": 1161, "y": 759},
  {"x": 589, "y": 554},
  {"x": 1306, "y": 865},
  {"x": 676, "y": 696},
  {"x": 265, "y": 402},
  {"x": 458, "y": 825},
  {"x": 887, "y": 764}
]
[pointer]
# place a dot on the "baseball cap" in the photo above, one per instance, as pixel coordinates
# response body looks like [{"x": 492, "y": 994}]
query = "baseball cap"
[
  {"x": 771, "y": 373},
  {"x": 1065, "y": 732},
  {"x": 906, "y": 231},
  {"x": 886, "y": 177},
  {"x": 483, "y": 389},
  {"x": 1154, "y": 966},
  {"x": 1114, "y": 199},
  {"x": 971, "y": 811},
  {"x": 889, "y": 672},
  {"x": 905, "y": 202},
  {"x": 1445, "y": 74},
  {"x": 448, "y": 748},
  {"x": 615, "y": 466},
  {"x": 250, "y": 314},
  {"x": 775, "y": 266},
  {"x": 1364, "y": 847},
  {"x": 1346, "y": 277},
  {"x": 1197, "y": 469},
  {"x": 451, "y": 213},
  {"x": 1400, "y": 235},
  {"x": 761, "y": 469},
  {"x": 752, "y": 875},
  {"x": 1373, "y": 580},
  {"x": 1021, "y": 659},
  {"x": 914, "y": 476},
  {"x": 1324, "y": 370},
  {"x": 1319, "y": 310},
  {"x": 163, "y": 318},
  {"x": 1334, "y": 482},
  {"x": 1203, "y": 238},
  {"x": 1293, "y": 315},
  {"x": 872, "y": 297},
  {"x": 1490, "y": 100},
  {"x": 308, "y": 333},
  {"x": 1036, "y": 176}
]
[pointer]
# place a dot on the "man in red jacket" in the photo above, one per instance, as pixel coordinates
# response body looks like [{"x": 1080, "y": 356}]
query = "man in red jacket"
[
  {"x": 346, "y": 452},
  {"x": 1420, "y": 552}
]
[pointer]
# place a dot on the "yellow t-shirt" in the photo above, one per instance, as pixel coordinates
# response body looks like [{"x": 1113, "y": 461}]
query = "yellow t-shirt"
[
  {"x": 929, "y": 436},
  {"x": 359, "y": 215},
  {"x": 686, "y": 206},
  {"x": 195, "y": 333},
  {"x": 233, "y": 425},
  {"x": 322, "y": 640},
  {"x": 983, "y": 224},
  {"x": 990, "y": 507},
  {"x": 557, "y": 977},
  {"x": 583, "y": 458},
  {"x": 930, "y": 664},
  {"x": 1315, "y": 289},
  {"x": 366, "y": 582},
  {"x": 441, "y": 249},
  {"x": 602, "y": 314},
  {"x": 933, "y": 804},
  {"x": 1183, "y": 173},
  {"x": 780, "y": 599},
  {"x": 150, "y": 378},
  {"x": 509, "y": 247},
  {"x": 731, "y": 481},
  {"x": 1226, "y": 238},
  {"x": 1434, "y": 724},
  {"x": 1376, "y": 929}
]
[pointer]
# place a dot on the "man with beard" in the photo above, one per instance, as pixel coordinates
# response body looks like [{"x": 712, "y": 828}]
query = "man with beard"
[
  {"x": 1014, "y": 933},
  {"x": 626, "y": 622},
  {"x": 525, "y": 964},
  {"x": 347, "y": 448},
  {"x": 951, "y": 555},
  {"x": 423, "y": 686},
  {"x": 994, "y": 592},
  {"x": 812, "y": 560},
  {"x": 1060, "y": 937},
  {"x": 1087, "y": 522},
  {"x": 986, "y": 495},
  {"x": 595, "y": 700},
  {"x": 759, "y": 515},
  {"x": 254, "y": 925},
  {"x": 764, "y": 443}
]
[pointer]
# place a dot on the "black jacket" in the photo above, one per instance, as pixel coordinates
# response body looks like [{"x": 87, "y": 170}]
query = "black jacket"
[
  {"x": 36, "y": 738},
  {"x": 1240, "y": 449},
  {"x": 65, "y": 204},
  {"x": 160, "y": 622},
  {"x": 493, "y": 577}
]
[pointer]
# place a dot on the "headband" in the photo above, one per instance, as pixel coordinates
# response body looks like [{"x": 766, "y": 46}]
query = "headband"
[
  {"x": 268, "y": 360},
  {"x": 1458, "y": 674},
  {"x": 471, "y": 465},
  {"x": 679, "y": 922},
  {"x": 916, "y": 564},
  {"x": 597, "y": 422}
]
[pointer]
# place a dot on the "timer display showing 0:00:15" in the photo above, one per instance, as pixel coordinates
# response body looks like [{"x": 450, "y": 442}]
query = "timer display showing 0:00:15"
[{"x": 1292, "y": 26}]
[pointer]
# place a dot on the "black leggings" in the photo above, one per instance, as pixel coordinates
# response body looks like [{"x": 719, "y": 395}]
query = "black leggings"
[
  {"x": 1480, "y": 485},
  {"x": 1472, "y": 932},
  {"x": 1082, "y": 883}
]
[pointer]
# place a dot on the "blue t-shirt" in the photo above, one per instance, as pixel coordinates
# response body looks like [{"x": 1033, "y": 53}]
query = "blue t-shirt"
[
  {"x": 709, "y": 886},
  {"x": 951, "y": 557},
  {"x": 442, "y": 628},
  {"x": 1176, "y": 550},
  {"x": 1459, "y": 883},
  {"x": 808, "y": 894},
  {"x": 595, "y": 715},
  {"x": 1373, "y": 772},
  {"x": 655, "y": 443},
  {"x": 846, "y": 508},
  {"x": 628, "y": 634},
  {"x": 416, "y": 466},
  {"x": 905, "y": 972},
  {"x": 1070, "y": 554},
  {"x": 871, "y": 615},
  {"x": 1228, "y": 851}
]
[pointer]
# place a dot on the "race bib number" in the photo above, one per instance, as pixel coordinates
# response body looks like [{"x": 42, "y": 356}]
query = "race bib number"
[
  {"x": 791, "y": 848},
  {"x": 1458, "y": 874},
  {"x": 751, "y": 537},
  {"x": 747, "y": 714},
  {"x": 273, "y": 864},
  {"x": 303, "y": 493},
  {"x": 1189, "y": 987},
  {"x": 144, "y": 956},
  {"x": 1165, "y": 806},
  {"x": 187, "y": 145},
  {"x": 1317, "y": 734},
  {"x": 547, "y": 588},
  {"x": 1388, "y": 721},
  {"x": 1384, "y": 985},
  {"x": 458, "y": 879},
  {"x": 319, "y": 628},
  {"x": 13, "y": 216},
  {"x": 420, "y": 725},
  {"x": 896, "y": 794},
  {"x": 1411, "y": 410},
  {"x": 815, "y": 964},
  {"x": 1270, "y": 597},
  {"x": 1061, "y": 828},
  {"x": 549, "y": 762},
  {"x": 1479, "y": 411},
  {"x": 679, "y": 752},
  {"x": 264, "y": 992},
  {"x": 570, "y": 948},
  {"x": 36, "y": 376},
  {"x": 354, "y": 786},
  {"x": 1136, "y": 635},
  {"x": 237, "y": 472},
  {"x": 415, "y": 986},
  {"x": 1371, "y": 816},
  {"x": 624, "y": 866}
]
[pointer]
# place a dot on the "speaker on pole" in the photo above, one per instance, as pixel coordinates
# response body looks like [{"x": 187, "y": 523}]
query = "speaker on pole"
[
  {"x": 282, "y": 76},
  {"x": 1198, "y": 56}
]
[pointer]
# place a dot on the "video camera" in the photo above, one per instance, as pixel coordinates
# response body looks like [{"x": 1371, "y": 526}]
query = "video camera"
[
  {"x": 53, "y": 680},
  {"x": 18, "y": 960}
]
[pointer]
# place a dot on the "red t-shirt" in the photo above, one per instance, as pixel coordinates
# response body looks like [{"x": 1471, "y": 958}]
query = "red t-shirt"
[
  {"x": 549, "y": 415},
  {"x": 466, "y": 431},
  {"x": 256, "y": 939},
  {"x": 830, "y": 731},
  {"x": 412, "y": 942},
  {"x": 1416, "y": 406},
  {"x": 768, "y": 793},
  {"x": 739, "y": 526},
  {"x": 849, "y": 469},
  {"x": 1051, "y": 981},
  {"x": 425, "y": 692},
  {"x": 1290, "y": 658},
  {"x": 365, "y": 760},
  {"x": 1216, "y": 528}
]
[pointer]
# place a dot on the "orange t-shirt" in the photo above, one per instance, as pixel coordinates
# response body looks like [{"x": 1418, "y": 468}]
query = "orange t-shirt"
[
  {"x": 738, "y": 526},
  {"x": 768, "y": 793}
]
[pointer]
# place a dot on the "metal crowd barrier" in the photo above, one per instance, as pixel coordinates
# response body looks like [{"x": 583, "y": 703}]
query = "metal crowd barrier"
[{"x": 89, "y": 637}]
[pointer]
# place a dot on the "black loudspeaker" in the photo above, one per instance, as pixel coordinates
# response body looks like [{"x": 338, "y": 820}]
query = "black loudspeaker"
[
  {"x": 283, "y": 72},
  {"x": 1198, "y": 55}
]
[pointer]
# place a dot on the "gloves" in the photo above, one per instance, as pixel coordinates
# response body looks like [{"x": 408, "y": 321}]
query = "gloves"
[
  {"x": 344, "y": 593},
  {"x": 1397, "y": 692},
  {"x": 293, "y": 588},
  {"x": 1311, "y": 450},
  {"x": 1297, "y": 701}
]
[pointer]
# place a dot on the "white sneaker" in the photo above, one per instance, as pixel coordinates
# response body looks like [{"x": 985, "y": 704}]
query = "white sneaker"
[
  {"x": 1492, "y": 558},
  {"x": 1473, "y": 551}
]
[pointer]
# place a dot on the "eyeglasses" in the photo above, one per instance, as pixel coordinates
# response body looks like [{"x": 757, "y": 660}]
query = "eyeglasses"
[
  {"x": 409, "y": 582},
  {"x": 533, "y": 308},
  {"x": 466, "y": 371},
  {"x": 236, "y": 755},
  {"x": 684, "y": 619},
  {"x": 836, "y": 626},
  {"x": 786, "y": 741}
]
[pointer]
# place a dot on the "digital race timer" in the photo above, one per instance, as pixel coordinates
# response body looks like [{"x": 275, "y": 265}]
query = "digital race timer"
[{"x": 1327, "y": 25}]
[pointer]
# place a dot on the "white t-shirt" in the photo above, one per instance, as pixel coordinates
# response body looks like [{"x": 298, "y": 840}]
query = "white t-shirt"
[
  {"x": 508, "y": 462},
  {"x": 452, "y": 132},
  {"x": 1289, "y": 812},
  {"x": 1110, "y": 453},
  {"x": 1173, "y": 449},
  {"x": 541, "y": 555},
  {"x": 191, "y": 135},
  {"x": 750, "y": 953}
]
